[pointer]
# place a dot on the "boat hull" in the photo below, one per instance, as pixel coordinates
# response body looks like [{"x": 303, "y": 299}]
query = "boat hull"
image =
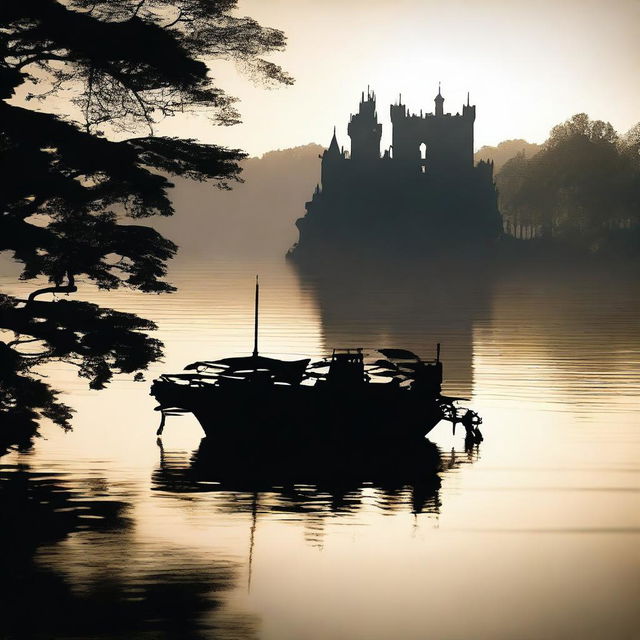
[{"x": 318, "y": 415}]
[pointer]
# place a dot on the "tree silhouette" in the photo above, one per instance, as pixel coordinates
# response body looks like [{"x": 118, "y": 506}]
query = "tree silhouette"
[
  {"x": 581, "y": 188},
  {"x": 69, "y": 183}
]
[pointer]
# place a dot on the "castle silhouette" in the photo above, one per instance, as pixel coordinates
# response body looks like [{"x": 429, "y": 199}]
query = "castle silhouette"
[{"x": 423, "y": 195}]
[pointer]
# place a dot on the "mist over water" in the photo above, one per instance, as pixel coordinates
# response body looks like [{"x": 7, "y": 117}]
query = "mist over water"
[{"x": 531, "y": 534}]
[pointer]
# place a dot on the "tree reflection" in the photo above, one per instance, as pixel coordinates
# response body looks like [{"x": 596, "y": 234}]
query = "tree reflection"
[{"x": 74, "y": 560}]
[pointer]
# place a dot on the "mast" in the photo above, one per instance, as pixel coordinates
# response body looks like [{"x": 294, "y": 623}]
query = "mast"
[
  {"x": 255, "y": 324},
  {"x": 252, "y": 536}
]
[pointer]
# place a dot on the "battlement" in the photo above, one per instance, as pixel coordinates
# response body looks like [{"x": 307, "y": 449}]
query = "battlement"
[
  {"x": 400, "y": 111},
  {"x": 426, "y": 116},
  {"x": 425, "y": 142}
]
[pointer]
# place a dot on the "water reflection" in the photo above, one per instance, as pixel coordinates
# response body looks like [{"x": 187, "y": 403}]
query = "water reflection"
[
  {"x": 41, "y": 508},
  {"x": 550, "y": 360},
  {"x": 71, "y": 556},
  {"x": 310, "y": 487},
  {"x": 543, "y": 333},
  {"x": 568, "y": 338},
  {"x": 412, "y": 305}
]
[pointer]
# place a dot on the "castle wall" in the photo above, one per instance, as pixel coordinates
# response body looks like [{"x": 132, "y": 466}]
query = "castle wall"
[{"x": 448, "y": 139}]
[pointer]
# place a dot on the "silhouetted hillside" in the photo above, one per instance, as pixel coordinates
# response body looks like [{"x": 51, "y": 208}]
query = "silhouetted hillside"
[
  {"x": 506, "y": 150},
  {"x": 257, "y": 217}
]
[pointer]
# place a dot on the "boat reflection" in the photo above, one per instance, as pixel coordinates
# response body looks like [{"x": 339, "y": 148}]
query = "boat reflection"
[{"x": 391, "y": 479}]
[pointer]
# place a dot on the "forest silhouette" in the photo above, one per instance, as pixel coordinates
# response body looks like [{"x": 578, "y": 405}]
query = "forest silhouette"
[{"x": 581, "y": 190}]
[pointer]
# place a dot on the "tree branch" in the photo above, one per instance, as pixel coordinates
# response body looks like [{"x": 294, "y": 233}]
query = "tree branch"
[
  {"x": 18, "y": 341},
  {"x": 67, "y": 288},
  {"x": 138, "y": 7},
  {"x": 174, "y": 22}
]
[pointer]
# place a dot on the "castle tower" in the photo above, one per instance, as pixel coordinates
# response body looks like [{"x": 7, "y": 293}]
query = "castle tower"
[
  {"x": 404, "y": 151},
  {"x": 439, "y": 100},
  {"x": 469, "y": 117},
  {"x": 331, "y": 166},
  {"x": 365, "y": 131}
]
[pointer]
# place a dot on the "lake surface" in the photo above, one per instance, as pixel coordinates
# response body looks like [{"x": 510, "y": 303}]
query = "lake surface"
[{"x": 533, "y": 534}]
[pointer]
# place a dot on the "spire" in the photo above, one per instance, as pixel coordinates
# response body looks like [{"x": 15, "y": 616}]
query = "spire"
[
  {"x": 334, "y": 149},
  {"x": 467, "y": 98},
  {"x": 439, "y": 100}
]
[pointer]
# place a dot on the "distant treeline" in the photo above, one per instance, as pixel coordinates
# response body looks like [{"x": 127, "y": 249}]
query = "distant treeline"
[
  {"x": 582, "y": 187},
  {"x": 506, "y": 150}
]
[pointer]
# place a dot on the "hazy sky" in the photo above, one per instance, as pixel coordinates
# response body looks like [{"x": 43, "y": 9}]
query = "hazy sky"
[{"x": 528, "y": 66}]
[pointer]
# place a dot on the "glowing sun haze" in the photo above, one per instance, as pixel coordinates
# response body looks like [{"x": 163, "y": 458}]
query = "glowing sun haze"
[{"x": 527, "y": 65}]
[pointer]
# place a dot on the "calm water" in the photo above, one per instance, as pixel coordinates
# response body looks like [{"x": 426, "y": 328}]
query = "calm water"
[{"x": 531, "y": 535}]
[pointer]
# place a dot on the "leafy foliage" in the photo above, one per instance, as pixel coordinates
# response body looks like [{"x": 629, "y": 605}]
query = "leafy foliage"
[
  {"x": 122, "y": 65},
  {"x": 583, "y": 187},
  {"x": 137, "y": 60}
]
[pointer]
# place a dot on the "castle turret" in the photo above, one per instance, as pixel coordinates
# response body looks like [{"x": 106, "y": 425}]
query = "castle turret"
[
  {"x": 334, "y": 149},
  {"x": 397, "y": 111},
  {"x": 365, "y": 131},
  {"x": 403, "y": 151},
  {"x": 439, "y": 100},
  {"x": 469, "y": 110},
  {"x": 469, "y": 117},
  {"x": 331, "y": 166}
]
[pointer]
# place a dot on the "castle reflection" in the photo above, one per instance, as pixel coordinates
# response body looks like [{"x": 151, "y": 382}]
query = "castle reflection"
[{"x": 412, "y": 305}]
